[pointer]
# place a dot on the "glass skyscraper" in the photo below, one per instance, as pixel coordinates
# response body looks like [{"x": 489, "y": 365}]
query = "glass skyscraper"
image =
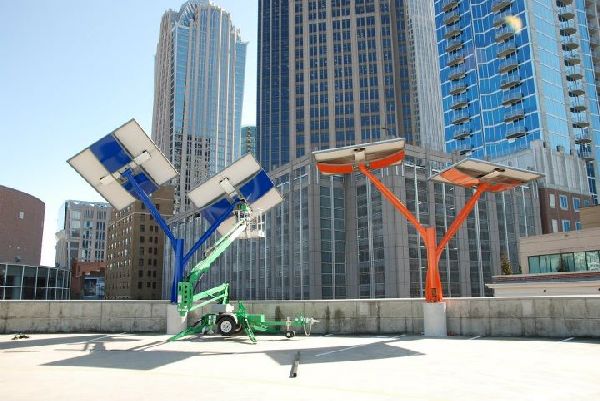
[
  {"x": 341, "y": 72},
  {"x": 199, "y": 84},
  {"x": 518, "y": 71}
]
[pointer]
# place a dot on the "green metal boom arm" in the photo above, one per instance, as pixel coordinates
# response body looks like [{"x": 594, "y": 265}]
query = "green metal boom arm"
[{"x": 185, "y": 298}]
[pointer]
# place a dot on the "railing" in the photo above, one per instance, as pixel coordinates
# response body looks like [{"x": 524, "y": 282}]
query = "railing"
[{"x": 514, "y": 114}]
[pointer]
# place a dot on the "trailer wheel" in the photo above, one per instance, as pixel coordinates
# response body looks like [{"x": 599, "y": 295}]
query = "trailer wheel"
[
  {"x": 226, "y": 325},
  {"x": 290, "y": 334}
]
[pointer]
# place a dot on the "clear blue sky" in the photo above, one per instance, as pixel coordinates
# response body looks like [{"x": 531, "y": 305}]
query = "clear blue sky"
[{"x": 73, "y": 70}]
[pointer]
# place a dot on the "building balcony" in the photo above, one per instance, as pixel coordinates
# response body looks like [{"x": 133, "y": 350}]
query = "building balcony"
[
  {"x": 568, "y": 27},
  {"x": 452, "y": 31},
  {"x": 461, "y": 132},
  {"x": 569, "y": 43},
  {"x": 504, "y": 33},
  {"x": 514, "y": 114},
  {"x": 466, "y": 150},
  {"x": 458, "y": 88},
  {"x": 586, "y": 154},
  {"x": 576, "y": 88},
  {"x": 566, "y": 12},
  {"x": 449, "y": 5},
  {"x": 456, "y": 58},
  {"x": 460, "y": 117},
  {"x": 578, "y": 107},
  {"x": 580, "y": 121},
  {"x": 500, "y": 18},
  {"x": 572, "y": 58},
  {"x": 596, "y": 55},
  {"x": 508, "y": 65},
  {"x": 594, "y": 42},
  {"x": 574, "y": 73},
  {"x": 565, "y": 2},
  {"x": 499, "y": 5},
  {"x": 459, "y": 102},
  {"x": 451, "y": 17},
  {"x": 453, "y": 44},
  {"x": 515, "y": 131},
  {"x": 510, "y": 81},
  {"x": 506, "y": 48},
  {"x": 583, "y": 136},
  {"x": 512, "y": 97},
  {"x": 458, "y": 72}
]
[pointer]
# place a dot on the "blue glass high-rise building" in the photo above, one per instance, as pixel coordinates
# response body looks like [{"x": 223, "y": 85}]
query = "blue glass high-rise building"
[
  {"x": 518, "y": 71},
  {"x": 340, "y": 72},
  {"x": 199, "y": 85}
]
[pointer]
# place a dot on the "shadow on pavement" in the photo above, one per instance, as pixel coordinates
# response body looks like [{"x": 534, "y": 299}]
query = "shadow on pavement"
[
  {"x": 62, "y": 340},
  {"x": 371, "y": 351},
  {"x": 146, "y": 358}
]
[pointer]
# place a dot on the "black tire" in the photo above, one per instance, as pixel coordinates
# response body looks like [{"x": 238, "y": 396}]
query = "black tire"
[
  {"x": 226, "y": 325},
  {"x": 290, "y": 334}
]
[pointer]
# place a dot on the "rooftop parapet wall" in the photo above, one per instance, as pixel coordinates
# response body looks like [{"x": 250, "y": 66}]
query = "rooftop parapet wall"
[{"x": 526, "y": 316}]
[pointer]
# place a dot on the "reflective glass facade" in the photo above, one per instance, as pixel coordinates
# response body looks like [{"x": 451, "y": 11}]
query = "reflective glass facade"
[
  {"x": 516, "y": 71},
  {"x": 340, "y": 72},
  {"x": 33, "y": 282},
  {"x": 199, "y": 83}
]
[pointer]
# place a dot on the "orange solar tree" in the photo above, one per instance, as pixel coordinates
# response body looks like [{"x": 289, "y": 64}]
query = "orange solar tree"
[{"x": 468, "y": 173}]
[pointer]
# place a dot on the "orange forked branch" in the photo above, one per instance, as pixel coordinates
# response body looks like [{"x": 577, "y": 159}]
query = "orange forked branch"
[
  {"x": 390, "y": 196},
  {"x": 461, "y": 217},
  {"x": 433, "y": 284}
]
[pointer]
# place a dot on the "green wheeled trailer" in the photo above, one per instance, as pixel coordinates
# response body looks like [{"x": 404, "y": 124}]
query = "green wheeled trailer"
[{"x": 223, "y": 317}]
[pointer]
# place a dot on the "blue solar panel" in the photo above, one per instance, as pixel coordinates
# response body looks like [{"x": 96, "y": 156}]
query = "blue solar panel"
[
  {"x": 110, "y": 153},
  {"x": 252, "y": 190},
  {"x": 257, "y": 187},
  {"x": 216, "y": 210},
  {"x": 143, "y": 181}
]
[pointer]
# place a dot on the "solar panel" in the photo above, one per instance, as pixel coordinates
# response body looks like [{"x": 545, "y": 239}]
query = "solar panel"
[
  {"x": 376, "y": 155},
  {"x": 469, "y": 173},
  {"x": 102, "y": 163},
  {"x": 244, "y": 178}
]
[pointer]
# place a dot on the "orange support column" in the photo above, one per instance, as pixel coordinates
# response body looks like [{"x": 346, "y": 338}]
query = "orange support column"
[{"x": 433, "y": 283}]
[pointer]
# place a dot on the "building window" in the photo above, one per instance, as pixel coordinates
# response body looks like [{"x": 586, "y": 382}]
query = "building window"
[
  {"x": 576, "y": 204},
  {"x": 565, "y": 262},
  {"x": 21, "y": 215},
  {"x": 578, "y": 225},
  {"x": 554, "y": 226},
  {"x": 564, "y": 202},
  {"x": 552, "y": 201},
  {"x": 140, "y": 285},
  {"x": 142, "y": 228},
  {"x": 566, "y": 224}
]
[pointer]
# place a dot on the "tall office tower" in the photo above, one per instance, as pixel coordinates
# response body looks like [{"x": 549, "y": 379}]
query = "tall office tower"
[
  {"x": 82, "y": 232},
  {"x": 249, "y": 140},
  {"x": 340, "y": 72},
  {"x": 135, "y": 249},
  {"x": 198, "y": 92},
  {"x": 518, "y": 71}
]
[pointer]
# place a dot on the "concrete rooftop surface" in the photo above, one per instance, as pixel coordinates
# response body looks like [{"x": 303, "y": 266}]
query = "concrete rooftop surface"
[{"x": 145, "y": 367}]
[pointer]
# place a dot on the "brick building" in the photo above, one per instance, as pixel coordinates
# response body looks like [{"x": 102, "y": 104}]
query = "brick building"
[
  {"x": 135, "y": 249},
  {"x": 21, "y": 227}
]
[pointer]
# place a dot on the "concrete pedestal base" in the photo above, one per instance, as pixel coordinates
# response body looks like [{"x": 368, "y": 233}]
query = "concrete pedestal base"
[
  {"x": 434, "y": 319},
  {"x": 175, "y": 323}
]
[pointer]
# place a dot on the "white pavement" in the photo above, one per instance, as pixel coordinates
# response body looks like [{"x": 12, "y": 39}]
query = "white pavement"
[{"x": 134, "y": 367}]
